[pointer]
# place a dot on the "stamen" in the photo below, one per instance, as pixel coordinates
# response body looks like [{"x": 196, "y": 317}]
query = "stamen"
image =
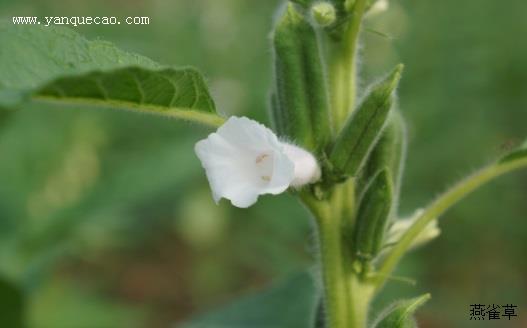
[
  {"x": 266, "y": 178},
  {"x": 261, "y": 157}
]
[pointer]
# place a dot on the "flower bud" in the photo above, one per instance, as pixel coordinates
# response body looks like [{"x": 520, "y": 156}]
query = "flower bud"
[{"x": 323, "y": 13}]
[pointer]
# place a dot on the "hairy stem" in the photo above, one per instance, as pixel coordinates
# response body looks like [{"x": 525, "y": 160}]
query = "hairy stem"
[
  {"x": 439, "y": 206},
  {"x": 346, "y": 298},
  {"x": 361, "y": 295},
  {"x": 343, "y": 67},
  {"x": 331, "y": 261}
]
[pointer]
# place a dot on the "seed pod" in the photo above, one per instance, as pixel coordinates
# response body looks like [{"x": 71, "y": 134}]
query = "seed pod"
[
  {"x": 274, "y": 113},
  {"x": 302, "y": 96},
  {"x": 372, "y": 217},
  {"x": 362, "y": 129},
  {"x": 390, "y": 152}
]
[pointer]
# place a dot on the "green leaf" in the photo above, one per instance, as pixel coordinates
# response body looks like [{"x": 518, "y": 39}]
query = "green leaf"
[
  {"x": 11, "y": 305},
  {"x": 291, "y": 304},
  {"x": 302, "y": 111},
  {"x": 362, "y": 129},
  {"x": 373, "y": 215},
  {"x": 57, "y": 64},
  {"x": 400, "y": 314},
  {"x": 517, "y": 154}
]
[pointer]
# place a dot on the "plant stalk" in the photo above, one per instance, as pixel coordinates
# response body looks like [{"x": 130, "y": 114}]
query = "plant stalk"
[
  {"x": 331, "y": 261},
  {"x": 439, "y": 206},
  {"x": 343, "y": 66},
  {"x": 346, "y": 297}
]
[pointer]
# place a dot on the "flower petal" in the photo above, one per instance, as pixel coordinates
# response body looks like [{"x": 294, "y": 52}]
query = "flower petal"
[{"x": 243, "y": 160}]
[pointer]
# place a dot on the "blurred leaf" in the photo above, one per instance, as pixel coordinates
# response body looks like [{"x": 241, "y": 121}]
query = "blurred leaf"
[
  {"x": 113, "y": 197},
  {"x": 400, "y": 314},
  {"x": 11, "y": 305},
  {"x": 52, "y": 63},
  {"x": 290, "y": 304},
  {"x": 4, "y": 116},
  {"x": 65, "y": 304}
]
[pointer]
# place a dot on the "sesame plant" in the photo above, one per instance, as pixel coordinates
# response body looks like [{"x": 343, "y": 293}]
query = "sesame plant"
[{"x": 338, "y": 148}]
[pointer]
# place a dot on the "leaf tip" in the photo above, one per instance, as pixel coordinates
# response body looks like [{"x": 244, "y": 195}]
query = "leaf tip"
[{"x": 395, "y": 76}]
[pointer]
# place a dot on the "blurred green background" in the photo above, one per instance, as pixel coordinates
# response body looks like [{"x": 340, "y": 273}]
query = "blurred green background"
[{"x": 106, "y": 218}]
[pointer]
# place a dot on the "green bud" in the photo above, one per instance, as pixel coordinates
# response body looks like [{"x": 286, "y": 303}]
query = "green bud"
[
  {"x": 390, "y": 151},
  {"x": 362, "y": 129},
  {"x": 324, "y": 13},
  {"x": 400, "y": 314},
  {"x": 301, "y": 90},
  {"x": 372, "y": 217}
]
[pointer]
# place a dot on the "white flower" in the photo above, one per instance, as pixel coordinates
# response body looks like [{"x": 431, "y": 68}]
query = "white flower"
[
  {"x": 306, "y": 166},
  {"x": 244, "y": 160}
]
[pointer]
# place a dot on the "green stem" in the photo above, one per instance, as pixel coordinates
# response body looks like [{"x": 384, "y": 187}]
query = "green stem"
[
  {"x": 346, "y": 297},
  {"x": 359, "y": 303},
  {"x": 439, "y": 206},
  {"x": 331, "y": 261},
  {"x": 343, "y": 66}
]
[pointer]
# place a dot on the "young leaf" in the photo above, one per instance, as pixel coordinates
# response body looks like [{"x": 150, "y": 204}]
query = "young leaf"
[
  {"x": 373, "y": 215},
  {"x": 362, "y": 129},
  {"x": 400, "y": 314},
  {"x": 54, "y": 63},
  {"x": 302, "y": 96}
]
